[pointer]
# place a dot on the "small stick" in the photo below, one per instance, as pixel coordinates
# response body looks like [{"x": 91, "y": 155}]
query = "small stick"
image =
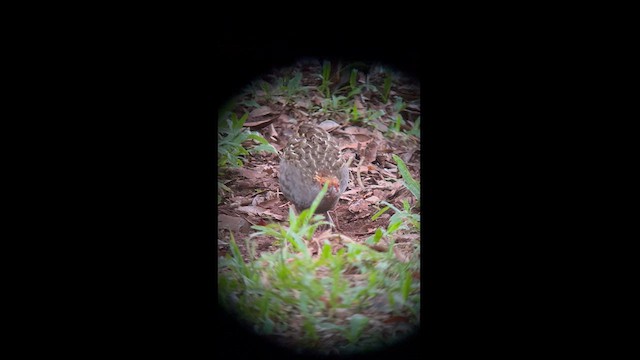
[{"x": 358, "y": 173}]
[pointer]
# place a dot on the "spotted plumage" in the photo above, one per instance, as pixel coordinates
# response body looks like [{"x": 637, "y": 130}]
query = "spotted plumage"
[{"x": 310, "y": 158}]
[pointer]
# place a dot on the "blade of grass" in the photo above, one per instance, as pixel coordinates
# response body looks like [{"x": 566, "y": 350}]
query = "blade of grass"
[
  {"x": 409, "y": 182},
  {"x": 380, "y": 212}
]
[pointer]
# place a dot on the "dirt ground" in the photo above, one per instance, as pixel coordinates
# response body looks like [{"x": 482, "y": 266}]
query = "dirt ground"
[{"x": 373, "y": 175}]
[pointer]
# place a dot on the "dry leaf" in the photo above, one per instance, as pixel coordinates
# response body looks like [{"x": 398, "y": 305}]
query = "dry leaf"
[
  {"x": 372, "y": 200},
  {"x": 261, "y": 111},
  {"x": 348, "y": 145},
  {"x": 351, "y": 192},
  {"x": 317, "y": 100},
  {"x": 274, "y": 201},
  {"x": 273, "y": 134},
  {"x": 371, "y": 152},
  {"x": 355, "y": 130},
  {"x": 232, "y": 223},
  {"x": 259, "y": 124},
  {"x": 396, "y": 319},
  {"x": 406, "y": 157},
  {"x": 380, "y": 125},
  {"x": 359, "y": 106},
  {"x": 358, "y": 206},
  {"x": 273, "y": 215},
  {"x": 245, "y": 184},
  {"x": 399, "y": 255},
  {"x": 251, "y": 210},
  {"x": 328, "y": 125},
  {"x": 363, "y": 169},
  {"x": 249, "y": 174},
  {"x": 257, "y": 200},
  {"x": 303, "y": 103}
]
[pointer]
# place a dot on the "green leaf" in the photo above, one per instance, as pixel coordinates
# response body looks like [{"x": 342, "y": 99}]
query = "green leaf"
[
  {"x": 408, "y": 180},
  {"x": 356, "y": 327},
  {"x": 319, "y": 197},
  {"x": 353, "y": 78},
  {"x": 224, "y": 111},
  {"x": 398, "y": 123},
  {"x": 387, "y": 88},
  {"x": 267, "y": 327},
  {"x": 394, "y": 226},
  {"x": 326, "y": 70},
  {"x": 399, "y": 105},
  {"x": 251, "y": 103},
  {"x": 326, "y": 251},
  {"x": 237, "y": 123},
  {"x": 353, "y": 92},
  {"x": 292, "y": 220},
  {"x": 258, "y": 138},
  {"x": 406, "y": 286},
  {"x": 294, "y": 84},
  {"x": 380, "y": 212},
  {"x": 405, "y": 205},
  {"x": 390, "y": 205},
  {"x": 237, "y": 255},
  {"x": 416, "y": 128},
  {"x": 267, "y": 148},
  {"x": 377, "y": 236},
  {"x": 242, "y": 151}
]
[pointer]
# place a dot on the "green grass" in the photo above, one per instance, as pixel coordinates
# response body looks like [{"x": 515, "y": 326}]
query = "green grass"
[
  {"x": 387, "y": 88},
  {"x": 292, "y": 88},
  {"x": 415, "y": 130},
  {"x": 232, "y": 137},
  {"x": 407, "y": 179},
  {"x": 340, "y": 296},
  {"x": 324, "y": 88},
  {"x": 314, "y": 298}
]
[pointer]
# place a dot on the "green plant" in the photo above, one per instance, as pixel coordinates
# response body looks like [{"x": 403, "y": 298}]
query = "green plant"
[
  {"x": 321, "y": 298},
  {"x": 293, "y": 87},
  {"x": 231, "y": 136},
  {"x": 356, "y": 327},
  {"x": 399, "y": 105},
  {"x": 326, "y": 79},
  {"x": 415, "y": 130},
  {"x": 355, "y": 116},
  {"x": 387, "y": 88},
  {"x": 267, "y": 89},
  {"x": 407, "y": 179},
  {"x": 373, "y": 114},
  {"x": 353, "y": 79},
  {"x": 335, "y": 104},
  {"x": 300, "y": 227},
  {"x": 231, "y": 149},
  {"x": 354, "y": 88},
  {"x": 289, "y": 87},
  {"x": 402, "y": 219},
  {"x": 398, "y": 120},
  {"x": 251, "y": 93},
  {"x": 250, "y": 103},
  {"x": 397, "y": 124}
]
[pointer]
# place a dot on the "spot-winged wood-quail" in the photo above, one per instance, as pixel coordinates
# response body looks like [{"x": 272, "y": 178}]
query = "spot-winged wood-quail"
[{"x": 311, "y": 158}]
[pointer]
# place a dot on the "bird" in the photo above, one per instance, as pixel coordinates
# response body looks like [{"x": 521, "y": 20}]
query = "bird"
[{"x": 311, "y": 158}]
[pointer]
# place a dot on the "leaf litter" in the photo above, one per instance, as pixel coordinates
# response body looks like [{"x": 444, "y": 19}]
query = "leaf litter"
[{"x": 374, "y": 177}]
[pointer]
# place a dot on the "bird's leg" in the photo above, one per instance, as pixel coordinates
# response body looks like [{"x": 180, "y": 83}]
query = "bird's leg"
[
  {"x": 333, "y": 223},
  {"x": 325, "y": 227}
]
